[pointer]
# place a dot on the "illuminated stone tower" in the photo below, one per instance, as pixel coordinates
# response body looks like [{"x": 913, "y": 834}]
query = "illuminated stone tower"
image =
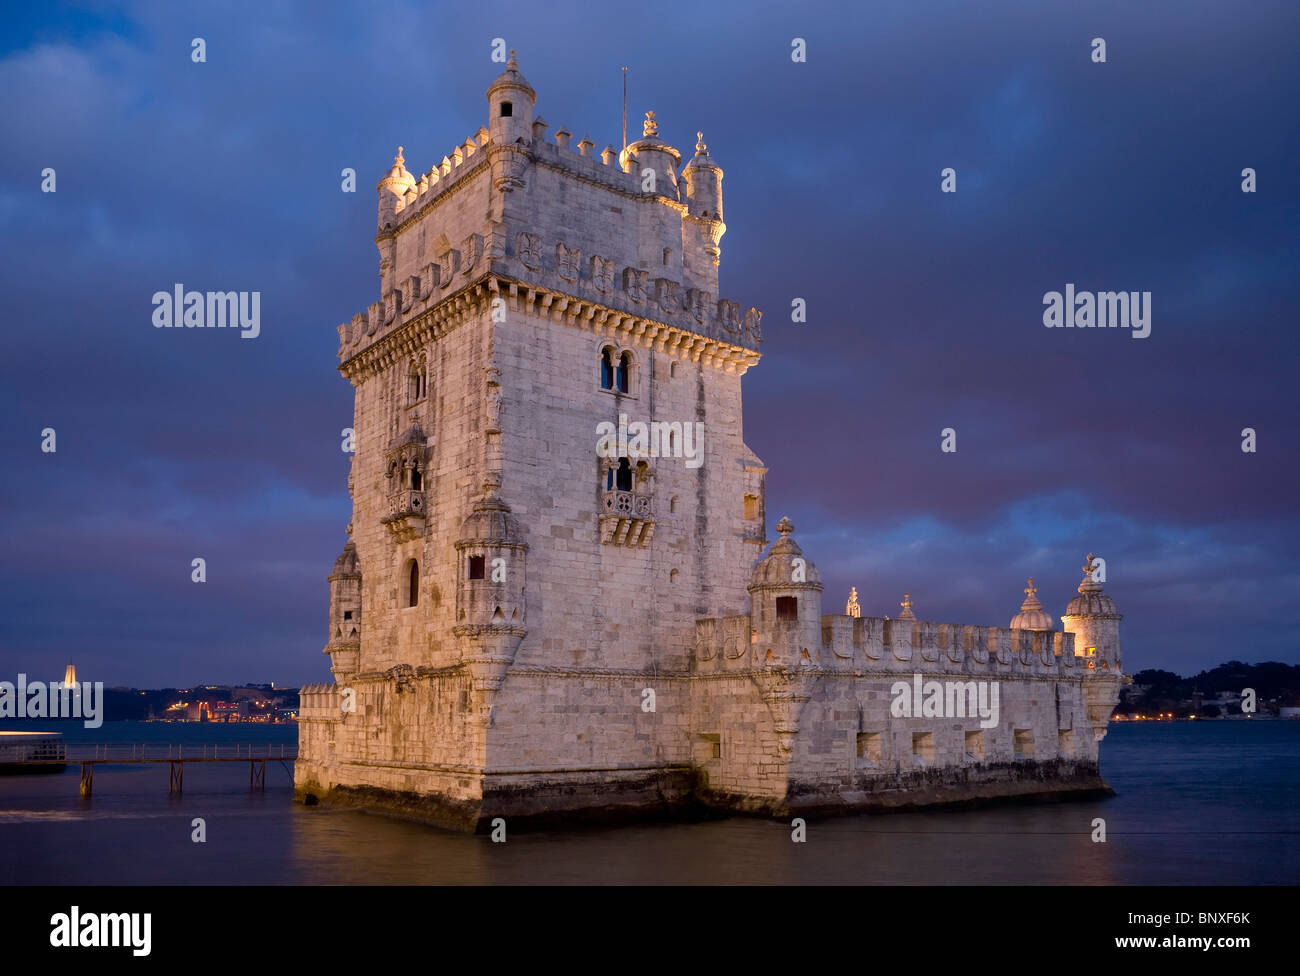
[
  {"x": 517, "y": 584},
  {"x": 557, "y": 598}
]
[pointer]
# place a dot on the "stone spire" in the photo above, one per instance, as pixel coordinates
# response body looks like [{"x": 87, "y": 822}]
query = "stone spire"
[
  {"x": 1089, "y": 584},
  {"x": 907, "y": 608},
  {"x": 853, "y": 609}
]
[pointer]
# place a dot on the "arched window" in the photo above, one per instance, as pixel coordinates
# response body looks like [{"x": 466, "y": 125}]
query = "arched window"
[
  {"x": 606, "y": 370},
  {"x": 624, "y": 372},
  {"x": 623, "y": 478},
  {"x": 417, "y": 483},
  {"x": 413, "y": 596}
]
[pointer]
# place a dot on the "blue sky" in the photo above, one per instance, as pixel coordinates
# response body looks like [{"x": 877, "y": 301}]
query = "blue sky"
[{"x": 924, "y": 309}]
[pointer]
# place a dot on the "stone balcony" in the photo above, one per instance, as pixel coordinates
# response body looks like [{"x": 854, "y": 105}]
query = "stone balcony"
[
  {"x": 405, "y": 518},
  {"x": 627, "y": 519}
]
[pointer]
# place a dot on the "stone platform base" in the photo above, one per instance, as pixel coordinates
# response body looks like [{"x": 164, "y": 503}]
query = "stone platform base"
[
  {"x": 531, "y": 801},
  {"x": 927, "y": 789},
  {"x": 574, "y": 798}
]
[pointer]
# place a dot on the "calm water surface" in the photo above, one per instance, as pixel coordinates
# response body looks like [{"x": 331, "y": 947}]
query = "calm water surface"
[{"x": 1198, "y": 803}]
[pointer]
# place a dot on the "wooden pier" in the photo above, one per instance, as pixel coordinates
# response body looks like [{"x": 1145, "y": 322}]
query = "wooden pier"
[{"x": 175, "y": 755}]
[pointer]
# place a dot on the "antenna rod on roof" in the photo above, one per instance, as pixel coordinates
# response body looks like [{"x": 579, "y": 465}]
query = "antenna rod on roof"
[{"x": 625, "y": 108}]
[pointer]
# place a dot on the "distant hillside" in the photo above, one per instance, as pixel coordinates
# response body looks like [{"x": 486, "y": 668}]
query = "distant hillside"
[
  {"x": 135, "y": 704},
  {"x": 1214, "y": 692}
]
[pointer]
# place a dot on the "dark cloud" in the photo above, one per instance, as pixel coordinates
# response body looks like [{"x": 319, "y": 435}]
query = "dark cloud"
[{"x": 924, "y": 308}]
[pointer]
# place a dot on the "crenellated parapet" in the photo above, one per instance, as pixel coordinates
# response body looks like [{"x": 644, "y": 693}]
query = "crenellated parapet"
[
  {"x": 879, "y": 644},
  {"x": 408, "y": 198},
  {"x": 319, "y": 702}
]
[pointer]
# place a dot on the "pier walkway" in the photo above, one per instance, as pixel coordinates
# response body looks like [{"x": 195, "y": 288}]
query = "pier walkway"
[{"x": 176, "y": 755}]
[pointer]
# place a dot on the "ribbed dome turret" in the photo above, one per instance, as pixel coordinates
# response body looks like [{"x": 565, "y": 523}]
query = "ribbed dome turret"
[
  {"x": 414, "y": 434},
  {"x": 702, "y": 160},
  {"x": 1091, "y": 602},
  {"x": 1032, "y": 616},
  {"x": 398, "y": 175},
  {"x": 348, "y": 564},
  {"x": 650, "y": 140},
  {"x": 511, "y": 78},
  {"x": 490, "y": 520},
  {"x": 778, "y": 567}
]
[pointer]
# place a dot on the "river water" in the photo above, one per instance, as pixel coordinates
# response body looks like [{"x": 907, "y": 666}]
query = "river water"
[{"x": 1197, "y": 803}]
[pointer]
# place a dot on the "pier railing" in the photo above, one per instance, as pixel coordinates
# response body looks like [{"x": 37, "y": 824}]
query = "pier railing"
[{"x": 163, "y": 751}]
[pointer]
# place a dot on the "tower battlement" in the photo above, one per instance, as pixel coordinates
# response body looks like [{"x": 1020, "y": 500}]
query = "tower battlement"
[
  {"x": 883, "y": 644},
  {"x": 626, "y": 234}
]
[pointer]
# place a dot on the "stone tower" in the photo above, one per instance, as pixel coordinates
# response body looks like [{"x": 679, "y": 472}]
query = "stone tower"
[
  {"x": 558, "y": 535},
  {"x": 531, "y": 296}
]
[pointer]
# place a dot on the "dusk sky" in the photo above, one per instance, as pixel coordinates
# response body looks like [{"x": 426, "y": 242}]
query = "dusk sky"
[{"x": 924, "y": 308}]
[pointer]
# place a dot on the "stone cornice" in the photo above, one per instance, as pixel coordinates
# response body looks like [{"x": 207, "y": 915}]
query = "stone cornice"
[{"x": 449, "y": 313}]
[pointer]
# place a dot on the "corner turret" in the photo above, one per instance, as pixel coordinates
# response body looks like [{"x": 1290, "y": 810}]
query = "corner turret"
[
  {"x": 510, "y": 107},
  {"x": 345, "y": 613},
  {"x": 1094, "y": 621},
  {"x": 490, "y": 593},
  {"x": 786, "y": 594},
  {"x": 393, "y": 189}
]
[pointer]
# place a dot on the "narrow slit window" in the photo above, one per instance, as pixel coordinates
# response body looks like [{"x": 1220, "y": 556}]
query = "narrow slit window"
[
  {"x": 624, "y": 371},
  {"x": 606, "y": 371}
]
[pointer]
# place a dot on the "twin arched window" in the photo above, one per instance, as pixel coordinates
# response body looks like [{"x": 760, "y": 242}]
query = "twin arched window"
[{"x": 615, "y": 375}]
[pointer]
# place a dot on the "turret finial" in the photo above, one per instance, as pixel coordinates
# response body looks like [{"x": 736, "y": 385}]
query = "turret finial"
[
  {"x": 399, "y": 159},
  {"x": 513, "y": 62},
  {"x": 650, "y": 127},
  {"x": 700, "y": 148},
  {"x": 1031, "y": 598},
  {"x": 853, "y": 609},
  {"x": 907, "y": 608},
  {"x": 785, "y": 527}
]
